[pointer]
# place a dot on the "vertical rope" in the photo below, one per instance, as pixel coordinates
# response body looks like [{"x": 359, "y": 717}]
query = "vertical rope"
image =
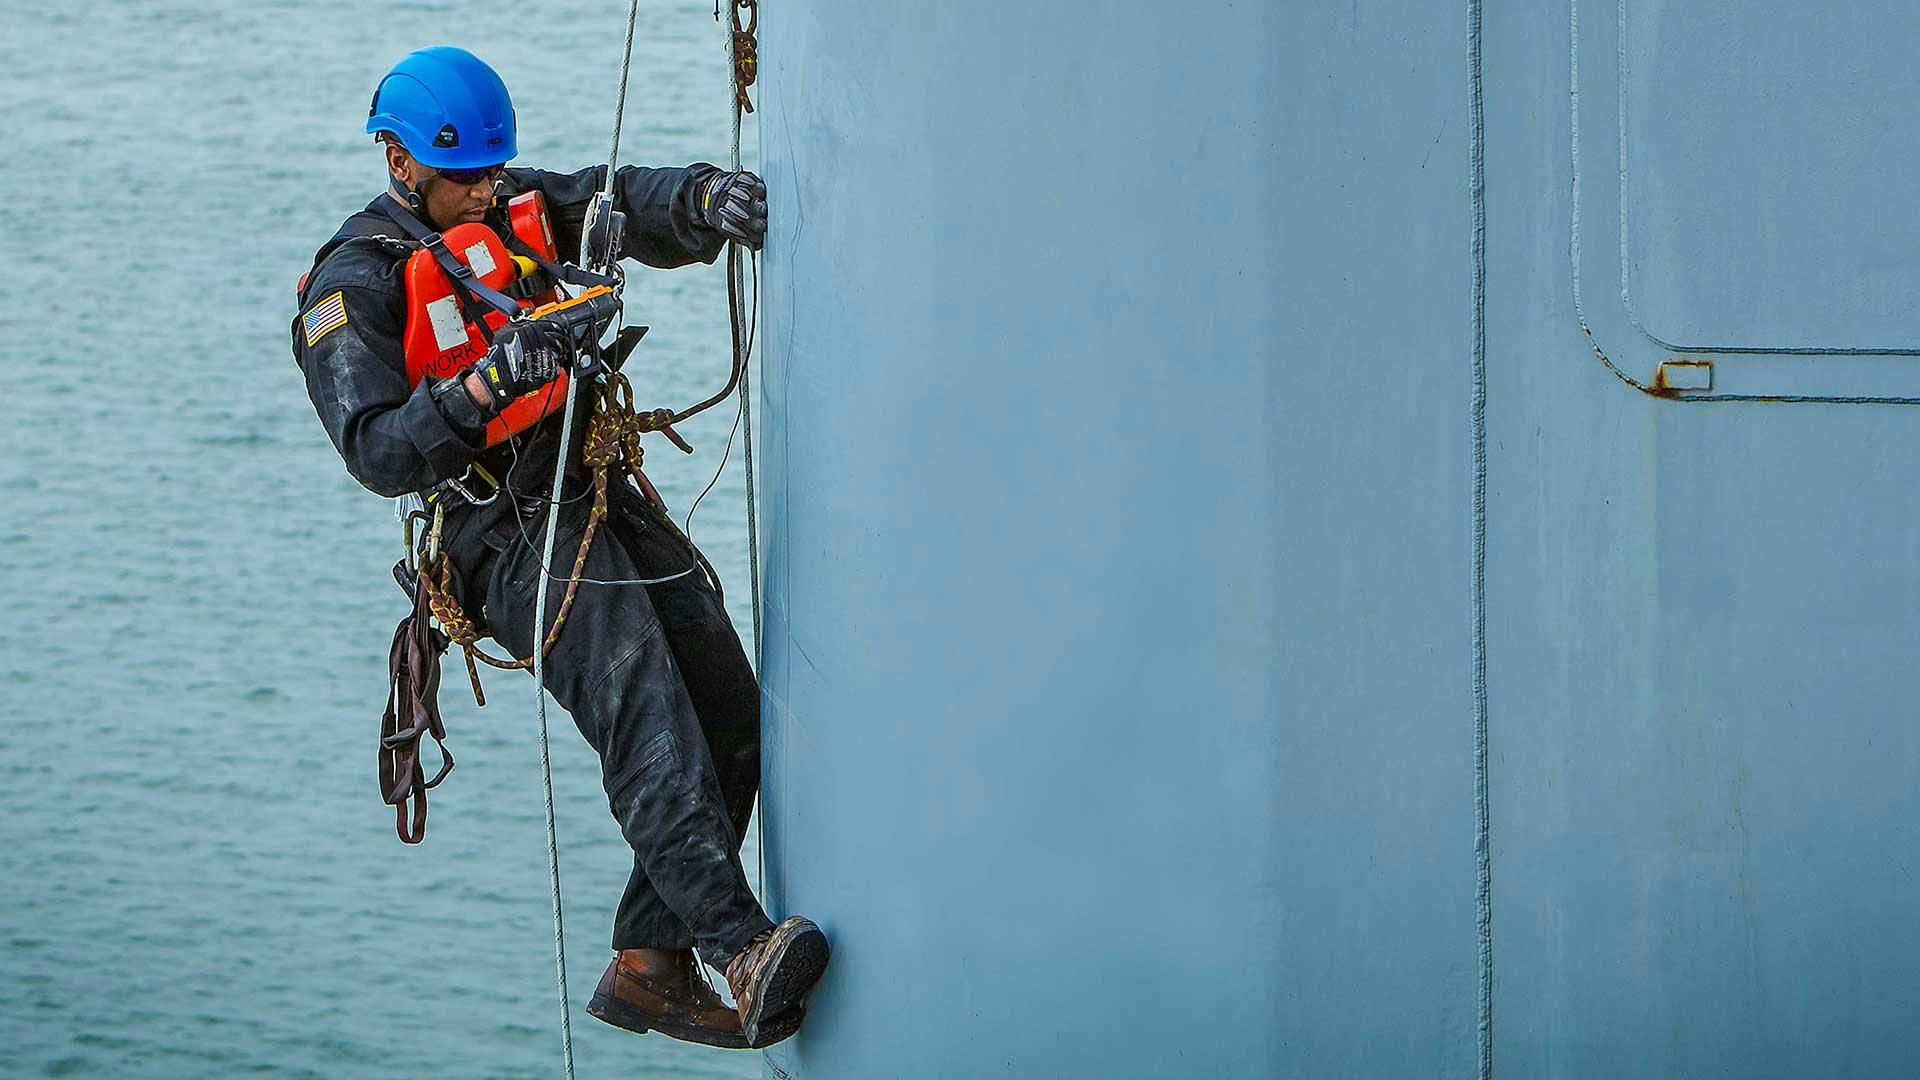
[
  {"x": 620, "y": 106},
  {"x": 753, "y": 525},
  {"x": 736, "y": 281},
  {"x": 540, "y": 695},
  {"x": 1482, "y": 842},
  {"x": 540, "y": 612},
  {"x": 736, "y": 285}
]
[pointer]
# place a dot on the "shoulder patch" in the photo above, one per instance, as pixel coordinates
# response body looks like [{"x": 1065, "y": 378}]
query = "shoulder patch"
[{"x": 325, "y": 317}]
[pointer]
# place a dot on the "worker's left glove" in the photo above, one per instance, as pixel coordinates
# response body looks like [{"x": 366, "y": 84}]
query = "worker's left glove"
[{"x": 736, "y": 204}]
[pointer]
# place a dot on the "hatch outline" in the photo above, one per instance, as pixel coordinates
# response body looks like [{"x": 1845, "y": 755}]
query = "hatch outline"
[{"x": 1834, "y": 375}]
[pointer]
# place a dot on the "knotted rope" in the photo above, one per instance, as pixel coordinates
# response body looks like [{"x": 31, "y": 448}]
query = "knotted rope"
[{"x": 612, "y": 445}]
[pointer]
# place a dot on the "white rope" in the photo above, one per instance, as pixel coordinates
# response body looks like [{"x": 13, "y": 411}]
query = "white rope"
[
  {"x": 540, "y": 695},
  {"x": 540, "y": 612},
  {"x": 738, "y": 274},
  {"x": 753, "y": 527},
  {"x": 620, "y": 106},
  {"x": 735, "y": 281}
]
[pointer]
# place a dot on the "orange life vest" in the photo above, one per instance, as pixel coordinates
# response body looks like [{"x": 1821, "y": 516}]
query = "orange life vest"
[{"x": 440, "y": 340}]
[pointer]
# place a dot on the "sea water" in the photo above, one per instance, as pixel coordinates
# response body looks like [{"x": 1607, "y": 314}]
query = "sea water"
[{"x": 197, "y": 876}]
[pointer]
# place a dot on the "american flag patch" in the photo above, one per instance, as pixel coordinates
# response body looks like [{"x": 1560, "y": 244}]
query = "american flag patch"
[{"x": 325, "y": 317}]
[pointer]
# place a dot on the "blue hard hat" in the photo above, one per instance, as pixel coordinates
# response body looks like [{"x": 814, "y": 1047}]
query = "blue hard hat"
[{"x": 447, "y": 107}]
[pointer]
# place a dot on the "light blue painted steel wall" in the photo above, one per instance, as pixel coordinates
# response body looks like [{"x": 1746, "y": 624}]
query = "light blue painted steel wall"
[
  {"x": 1115, "y": 396},
  {"x": 1118, "y": 385},
  {"x": 1702, "y": 614}
]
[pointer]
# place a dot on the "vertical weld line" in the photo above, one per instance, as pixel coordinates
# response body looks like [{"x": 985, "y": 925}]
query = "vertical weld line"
[{"x": 1482, "y": 848}]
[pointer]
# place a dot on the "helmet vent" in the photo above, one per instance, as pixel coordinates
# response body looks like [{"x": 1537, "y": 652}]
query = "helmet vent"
[{"x": 447, "y": 136}]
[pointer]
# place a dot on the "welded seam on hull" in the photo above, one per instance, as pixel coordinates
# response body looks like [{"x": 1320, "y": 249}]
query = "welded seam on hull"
[{"x": 1482, "y": 846}]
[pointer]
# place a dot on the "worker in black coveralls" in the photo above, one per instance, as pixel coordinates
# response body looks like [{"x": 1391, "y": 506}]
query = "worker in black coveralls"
[{"x": 654, "y": 676}]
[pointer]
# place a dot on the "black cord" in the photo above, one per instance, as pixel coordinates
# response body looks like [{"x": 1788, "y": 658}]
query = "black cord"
[{"x": 746, "y": 357}]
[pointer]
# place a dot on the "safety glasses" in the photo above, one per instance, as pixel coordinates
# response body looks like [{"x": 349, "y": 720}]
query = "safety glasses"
[{"x": 470, "y": 177}]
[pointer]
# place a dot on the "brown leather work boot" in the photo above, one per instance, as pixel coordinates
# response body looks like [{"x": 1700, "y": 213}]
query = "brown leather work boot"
[
  {"x": 675, "y": 1001},
  {"x": 771, "y": 976}
]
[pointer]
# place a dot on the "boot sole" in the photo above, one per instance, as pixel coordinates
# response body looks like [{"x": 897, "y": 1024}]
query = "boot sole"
[
  {"x": 612, "y": 1010},
  {"x": 797, "y": 963},
  {"x": 779, "y": 1027}
]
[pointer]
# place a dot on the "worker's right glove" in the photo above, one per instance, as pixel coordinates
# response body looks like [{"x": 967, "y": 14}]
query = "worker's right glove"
[{"x": 525, "y": 356}]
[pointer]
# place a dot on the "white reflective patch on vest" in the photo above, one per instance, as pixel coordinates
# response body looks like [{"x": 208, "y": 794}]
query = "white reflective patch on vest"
[
  {"x": 449, "y": 328},
  {"x": 480, "y": 259}
]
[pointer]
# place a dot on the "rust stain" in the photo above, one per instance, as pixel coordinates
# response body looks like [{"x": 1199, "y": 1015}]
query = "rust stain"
[{"x": 1699, "y": 372}]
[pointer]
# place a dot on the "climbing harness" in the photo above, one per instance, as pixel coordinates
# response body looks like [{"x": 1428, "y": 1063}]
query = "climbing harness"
[
  {"x": 612, "y": 445},
  {"x": 467, "y": 263}
]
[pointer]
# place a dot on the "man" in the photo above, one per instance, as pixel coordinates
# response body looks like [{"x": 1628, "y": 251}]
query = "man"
[{"x": 653, "y": 675}]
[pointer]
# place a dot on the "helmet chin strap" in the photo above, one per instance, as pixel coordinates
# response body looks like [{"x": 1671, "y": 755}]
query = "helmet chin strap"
[{"x": 410, "y": 197}]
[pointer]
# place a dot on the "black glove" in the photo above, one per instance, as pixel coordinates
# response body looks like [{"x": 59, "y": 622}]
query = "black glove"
[
  {"x": 526, "y": 354},
  {"x": 736, "y": 204}
]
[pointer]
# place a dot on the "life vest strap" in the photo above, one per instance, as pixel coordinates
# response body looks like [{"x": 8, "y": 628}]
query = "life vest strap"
[
  {"x": 566, "y": 273},
  {"x": 463, "y": 276}
]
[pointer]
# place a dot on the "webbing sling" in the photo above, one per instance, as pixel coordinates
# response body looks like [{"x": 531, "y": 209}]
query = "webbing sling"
[{"x": 413, "y": 713}]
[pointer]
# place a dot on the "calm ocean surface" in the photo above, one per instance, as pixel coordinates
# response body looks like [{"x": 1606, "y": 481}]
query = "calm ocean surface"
[{"x": 197, "y": 877}]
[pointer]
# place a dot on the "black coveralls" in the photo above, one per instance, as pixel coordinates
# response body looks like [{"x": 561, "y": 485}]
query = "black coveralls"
[{"x": 654, "y": 676}]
